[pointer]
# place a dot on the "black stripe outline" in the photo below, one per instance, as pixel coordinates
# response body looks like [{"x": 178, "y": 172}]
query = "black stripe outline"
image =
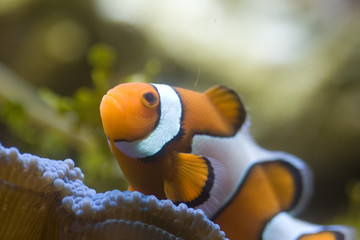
[{"x": 295, "y": 173}]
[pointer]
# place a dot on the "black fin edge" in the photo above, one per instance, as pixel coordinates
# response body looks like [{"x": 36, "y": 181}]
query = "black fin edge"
[
  {"x": 294, "y": 170},
  {"x": 205, "y": 193}
]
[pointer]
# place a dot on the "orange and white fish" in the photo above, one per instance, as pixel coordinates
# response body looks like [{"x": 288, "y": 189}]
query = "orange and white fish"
[{"x": 194, "y": 148}]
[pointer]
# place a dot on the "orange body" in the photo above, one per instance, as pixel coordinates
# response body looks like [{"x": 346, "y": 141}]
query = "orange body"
[{"x": 125, "y": 117}]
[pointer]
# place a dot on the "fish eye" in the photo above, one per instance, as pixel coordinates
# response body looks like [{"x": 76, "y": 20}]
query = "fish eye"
[{"x": 149, "y": 99}]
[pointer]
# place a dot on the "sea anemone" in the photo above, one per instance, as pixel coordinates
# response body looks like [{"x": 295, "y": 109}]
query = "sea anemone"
[{"x": 42, "y": 198}]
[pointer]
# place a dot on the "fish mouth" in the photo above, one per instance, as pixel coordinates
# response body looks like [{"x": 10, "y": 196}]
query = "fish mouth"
[{"x": 112, "y": 115}]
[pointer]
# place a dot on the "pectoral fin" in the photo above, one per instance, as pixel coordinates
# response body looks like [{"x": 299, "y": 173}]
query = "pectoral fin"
[{"x": 191, "y": 179}]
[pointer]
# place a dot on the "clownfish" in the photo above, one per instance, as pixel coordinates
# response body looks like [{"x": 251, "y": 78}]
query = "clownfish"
[{"x": 195, "y": 148}]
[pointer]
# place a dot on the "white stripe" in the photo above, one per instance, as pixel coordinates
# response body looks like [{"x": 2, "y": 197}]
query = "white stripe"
[
  {"x": 285, "y": 227},
  {"x": 168, "y": 127},
  {"x": 239, "y": 153},
  {"x": 218, "y": 193}
]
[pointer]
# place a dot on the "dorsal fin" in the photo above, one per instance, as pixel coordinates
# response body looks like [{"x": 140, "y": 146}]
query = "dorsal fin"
[
  {"x": 291, "y": 180},
  {"x": 286, "y": 182},
  {"x": 228, "y": 103}
]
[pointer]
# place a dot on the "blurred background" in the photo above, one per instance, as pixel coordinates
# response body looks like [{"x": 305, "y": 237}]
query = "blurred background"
[{"x": 296, "y": 65}]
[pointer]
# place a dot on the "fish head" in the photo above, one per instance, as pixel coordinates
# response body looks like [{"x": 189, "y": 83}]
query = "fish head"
[{"x": 130, "y": 111}]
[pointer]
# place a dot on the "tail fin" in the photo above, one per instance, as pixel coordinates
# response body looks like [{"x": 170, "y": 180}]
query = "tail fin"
[{"x": 285, "y": 227}]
